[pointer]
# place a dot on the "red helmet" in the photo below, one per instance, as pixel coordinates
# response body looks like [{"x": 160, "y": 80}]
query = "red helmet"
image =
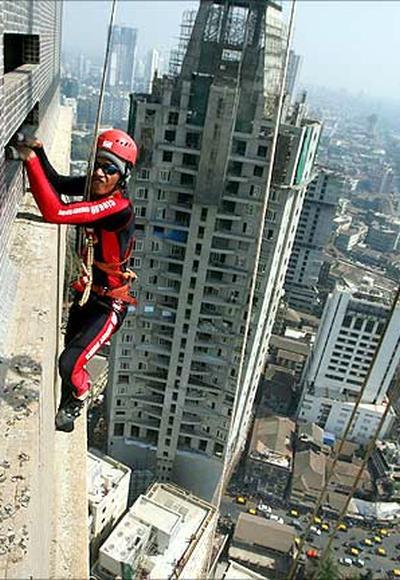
[{"x": 119, "y": 143}]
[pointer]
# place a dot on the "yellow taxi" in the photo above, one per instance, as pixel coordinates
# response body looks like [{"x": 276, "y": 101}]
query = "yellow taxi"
[
  {"x": 297, "y": 540},
  {"x": 383, "y": 532},
  {"x": 240, "y": 499},
  {"x": 354, "y": 551},
  {"x": 294, "y": 513},
  {"x": 396, "y": 572},
  {"x": 325, "y": 527},
  {"x": 377, "y": 540},
  {"x": 381, "y": 551},
  {"x": 252, "y": 511},
  {"x": 342, "y": 528},
  {"x": 367, "y": 542},
  {"x": 317, "y": 520}
]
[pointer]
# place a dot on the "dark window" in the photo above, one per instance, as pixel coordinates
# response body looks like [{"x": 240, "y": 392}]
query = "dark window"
[
  {"x": 369, "y": 327},
  {"x": 190, "y": 160},
  {"x": 170, "y": 135},
  {"x": 239, "y": 147},
  {"x": 119, "y": 429},
  {"x": 358, "y": 323},
  {"x": 173, "y": 118},
  {"x": 187, "y": 179},
  {"x": 347, "y": 321},
  {"x": 167, "y": 156},
  {"x": 193, "y": 140},
  {"x": 202, "y": 445},
  {"x": 262, "y": 151},
  {"x": 20, "y": 49},
  {"x": 134, "y": 431},
  {"x": 258, "y": 170},
  {"x": 204, "y": 213}
]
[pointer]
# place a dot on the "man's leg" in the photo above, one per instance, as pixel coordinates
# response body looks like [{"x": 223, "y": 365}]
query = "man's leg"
[{"x": 98, "y": 329}]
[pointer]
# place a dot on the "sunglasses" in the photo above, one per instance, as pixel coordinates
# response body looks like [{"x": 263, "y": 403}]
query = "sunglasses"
[{"x": 107, "y": 168}]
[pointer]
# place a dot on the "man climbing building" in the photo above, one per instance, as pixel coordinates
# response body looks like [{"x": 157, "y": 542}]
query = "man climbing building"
[{"x": 100, "y": 303}]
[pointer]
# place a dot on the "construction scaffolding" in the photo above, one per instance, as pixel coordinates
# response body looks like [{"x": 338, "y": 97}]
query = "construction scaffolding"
[{"x": 178, "y": 54}]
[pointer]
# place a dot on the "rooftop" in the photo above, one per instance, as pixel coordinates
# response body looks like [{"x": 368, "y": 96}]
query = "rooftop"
[
  {"x": 104, "y": 474},
  {"x": 264, "y": 533},
  {"x": 162, "y": 527},
  {"x": 271, "y": 440}
]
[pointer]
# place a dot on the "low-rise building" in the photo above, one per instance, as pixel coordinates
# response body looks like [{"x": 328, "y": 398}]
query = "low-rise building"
[
  {"x": 270, "y": 456},
  {"x": 344, "y": 475},
  {"x": 308, "y": 477},
  {"x": 167, "y": 533},
  {"x": 349, "y": 236},
  {"x": 289, "y": 353},
  {"x": 108, "y": 490},
  {"x": 384, "y": 466},
  {"x": 264, "y": 546}
]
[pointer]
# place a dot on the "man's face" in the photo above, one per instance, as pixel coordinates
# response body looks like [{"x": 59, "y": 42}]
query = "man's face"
[{"x": 105, "y": 177}]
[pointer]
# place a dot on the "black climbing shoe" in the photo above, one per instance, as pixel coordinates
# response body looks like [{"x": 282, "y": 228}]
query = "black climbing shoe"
[{"x": 67, "y": 413}]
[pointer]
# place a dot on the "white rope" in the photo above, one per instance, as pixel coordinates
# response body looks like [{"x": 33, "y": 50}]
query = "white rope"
[
  {"x": 92, "y": 156},
  {"x": 343, "y": 439},
  {"x": 231, "y": 434}
]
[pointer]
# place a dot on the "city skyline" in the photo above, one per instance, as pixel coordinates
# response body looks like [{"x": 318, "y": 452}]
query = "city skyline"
[{"x": 326, "y": 33}]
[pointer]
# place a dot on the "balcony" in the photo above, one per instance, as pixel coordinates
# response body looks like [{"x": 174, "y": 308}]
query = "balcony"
[
  {"x": 220, "y": 267},
  {"x": 198, "y": 384},
  {"x": 156, "y": 400},
  {"x": 190, "y": 419},
  {"x": 223, "y": 246},
  {"x": 150, "y": 376},
  {"x": 210, "y": 359},
  {"x": 154, "y": 348},
  {"x": 146, "y": 422}
]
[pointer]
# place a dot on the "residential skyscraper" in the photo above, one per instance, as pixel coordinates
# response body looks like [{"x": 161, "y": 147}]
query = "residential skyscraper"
[
  {"x": 152, "y": 65},
  {"x": 313, "y": 232},
  {"x": 205, "y": 138},
  {"x": 293, "y": 72},
  {"x": 351, "y": 327},
  {"x": 122, "y": 57}
]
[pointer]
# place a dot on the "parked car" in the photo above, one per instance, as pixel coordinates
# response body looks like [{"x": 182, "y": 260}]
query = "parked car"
[
  {"x": 241, "y": 500},
  {"x": 359, "y": 563},
  {"x": 346, "y": 561},
  {"x": 315, "y": 530},
  {"x": 312, "y": 553},
  {"x": 367, "y": 542},
  {"x": 276, "y": 519},
  {"x": 252, "y": 511},
  {"x": 381, "y": 551},
  {"x": 264, "y": 508}
]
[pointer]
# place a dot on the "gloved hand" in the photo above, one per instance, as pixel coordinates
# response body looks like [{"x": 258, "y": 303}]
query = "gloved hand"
[{"x": 20, "y": 148}]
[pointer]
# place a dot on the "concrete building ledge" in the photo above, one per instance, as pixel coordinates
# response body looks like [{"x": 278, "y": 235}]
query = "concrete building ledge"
[{"x": 43, "y": 495}]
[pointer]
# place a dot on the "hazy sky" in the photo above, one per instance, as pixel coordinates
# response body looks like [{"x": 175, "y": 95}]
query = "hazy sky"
[{"x": 345, "y": 43}]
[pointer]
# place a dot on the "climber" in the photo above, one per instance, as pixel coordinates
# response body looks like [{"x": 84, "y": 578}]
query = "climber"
[{"x": 108, "y": 218}]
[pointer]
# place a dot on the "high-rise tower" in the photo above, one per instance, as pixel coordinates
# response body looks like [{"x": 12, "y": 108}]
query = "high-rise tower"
[
  {"x": 205, "y": 137},
  {"x": 122, "y": 58}
]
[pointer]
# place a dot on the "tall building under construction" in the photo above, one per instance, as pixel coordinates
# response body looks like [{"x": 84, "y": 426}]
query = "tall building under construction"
[{"x": 205, "y": 136}]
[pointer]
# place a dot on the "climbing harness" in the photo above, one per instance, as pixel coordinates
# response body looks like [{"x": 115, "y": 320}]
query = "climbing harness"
[{"x": 82, "y": 240}]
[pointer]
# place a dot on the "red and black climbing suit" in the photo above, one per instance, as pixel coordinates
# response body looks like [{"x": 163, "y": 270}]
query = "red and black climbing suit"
[{"x": 111, "y": 222}]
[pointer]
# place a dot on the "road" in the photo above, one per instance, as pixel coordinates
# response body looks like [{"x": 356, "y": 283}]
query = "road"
[{"x": 379, "y": 565}]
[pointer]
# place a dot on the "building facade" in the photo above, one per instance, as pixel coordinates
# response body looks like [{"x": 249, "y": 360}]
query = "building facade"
[
  {"x": 313, "y": 233},
  {"x": 205, "y": 137},
  {"x": 30, "y": 71},
  {"x": 345, "y": 347},
  {"x": 108, "y": 490},
  {"x": 167, "y": 533},
  {"x": 122, "y": 58}
]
